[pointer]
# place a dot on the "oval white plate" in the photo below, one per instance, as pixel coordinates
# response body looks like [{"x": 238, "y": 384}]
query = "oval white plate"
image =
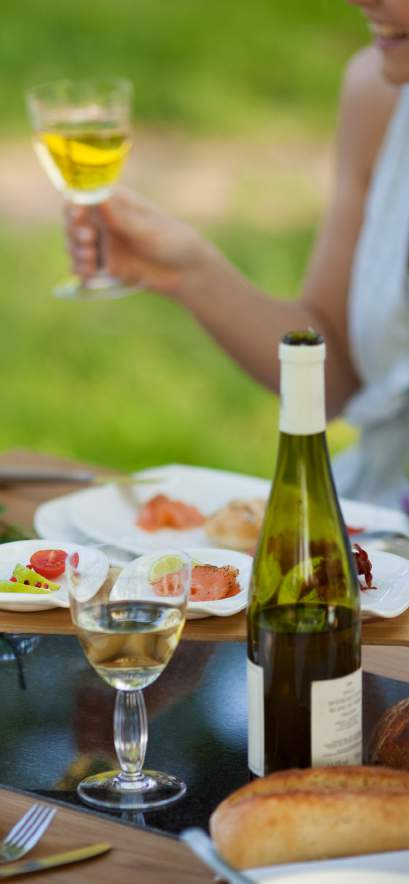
[
  {"x": 223, "y": 607},
  {"x": 391, "y": 577},
  {"x": 108, "y": 514},
  {"x": 209, "y": 556},
  {"x": 19, "y": 552}
]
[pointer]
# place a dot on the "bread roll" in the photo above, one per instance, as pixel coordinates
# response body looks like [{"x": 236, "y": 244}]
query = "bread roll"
[
  {"x": 237, "y": 525},
  {"x": 318, "y": 813},
  {"x": 390, "y": 741}
]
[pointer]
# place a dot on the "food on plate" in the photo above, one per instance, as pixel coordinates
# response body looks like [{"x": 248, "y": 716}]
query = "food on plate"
[
  {"x": 25, "y": 579},
  {"x": 166, "y": 575},
  {"x": 26, "y": 575},
  {"x": 15, "y": 586},
  {"x": 311, "y": 814},
  {"x": 364, "y": 566},
  {"x": 210, "y": 583},
  {"x": 162, "y": 512},
  {"x": 169, "y": 585},
  {"x": 390, "y": 739},
  {"x": 351, "y": 530},
  {"x": 236, "y": 525},
  {"x": 50, "y": 563},
  {"x": 167, "y": 564}
]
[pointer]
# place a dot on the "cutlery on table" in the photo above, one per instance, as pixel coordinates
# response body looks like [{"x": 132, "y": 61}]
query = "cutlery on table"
[
  {"x": 203, "y": 847},
  {"x": 19, "y": 475},
  {"x": 26, "y": 833},
  {"x": 50, "y": 862}
]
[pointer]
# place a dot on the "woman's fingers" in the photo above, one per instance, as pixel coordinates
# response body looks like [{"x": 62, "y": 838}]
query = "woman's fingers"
[{"x": 82, "y": 238}]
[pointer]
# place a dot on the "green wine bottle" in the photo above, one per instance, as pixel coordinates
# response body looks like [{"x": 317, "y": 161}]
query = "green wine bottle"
[{"x": 304, "y": 651}]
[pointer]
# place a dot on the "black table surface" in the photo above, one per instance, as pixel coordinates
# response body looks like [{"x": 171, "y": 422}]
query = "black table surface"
[{"x": 56, "y": 723}]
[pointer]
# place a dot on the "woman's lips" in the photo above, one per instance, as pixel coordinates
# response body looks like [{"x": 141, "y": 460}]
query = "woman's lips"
[
  {"x": 390, "y": 42},
  {"x": 387, "y": 36}
]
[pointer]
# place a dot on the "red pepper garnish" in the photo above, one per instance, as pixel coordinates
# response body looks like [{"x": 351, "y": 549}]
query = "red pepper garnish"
[{"x": 363, "y": 565}]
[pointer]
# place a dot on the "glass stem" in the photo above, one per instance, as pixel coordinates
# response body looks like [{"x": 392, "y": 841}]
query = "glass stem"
[{"x": 130, "y": 734}]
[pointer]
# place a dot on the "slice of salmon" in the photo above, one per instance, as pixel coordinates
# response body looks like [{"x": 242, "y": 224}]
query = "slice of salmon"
[
  {"x": 169, "y": 584},
  {"x": 162, "y": 512},
  {"x": 211, "y": 583}
]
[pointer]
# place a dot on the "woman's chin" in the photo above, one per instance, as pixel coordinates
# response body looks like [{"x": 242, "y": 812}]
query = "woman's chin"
[
  {"x": 395, "y": 74},
  {"x": 395, "y": 65}
]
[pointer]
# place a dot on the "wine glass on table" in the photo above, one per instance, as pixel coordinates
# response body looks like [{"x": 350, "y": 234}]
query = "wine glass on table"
[
  {"x": 82, "y": 138},
  {"x": 129, "y": 623}
]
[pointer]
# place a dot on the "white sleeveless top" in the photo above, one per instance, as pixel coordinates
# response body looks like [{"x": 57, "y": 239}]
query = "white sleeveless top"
[{"x": 374, "y": 470}]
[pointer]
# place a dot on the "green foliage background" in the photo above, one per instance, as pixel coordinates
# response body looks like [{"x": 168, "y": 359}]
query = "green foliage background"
[{"x": 136, "y": 382}]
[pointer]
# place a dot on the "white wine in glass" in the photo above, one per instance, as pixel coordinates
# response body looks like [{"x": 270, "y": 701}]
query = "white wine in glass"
[
  {"x": 82, "y": 138},
  {"x": 129, "y": 624}
]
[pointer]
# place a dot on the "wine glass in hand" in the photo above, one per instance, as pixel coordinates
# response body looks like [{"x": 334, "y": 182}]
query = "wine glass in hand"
[
  {"x": 82, "y": 137},
  {"x": 129, "y": 624}
]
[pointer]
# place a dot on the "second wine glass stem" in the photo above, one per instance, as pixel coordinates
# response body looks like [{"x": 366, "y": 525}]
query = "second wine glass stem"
[{"x": 130, "y": 733}]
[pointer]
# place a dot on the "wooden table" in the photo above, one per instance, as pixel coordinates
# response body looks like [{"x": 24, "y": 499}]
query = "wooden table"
[
  {"x": 21, "y": 502},
  {"x": 136, "y": 855}
]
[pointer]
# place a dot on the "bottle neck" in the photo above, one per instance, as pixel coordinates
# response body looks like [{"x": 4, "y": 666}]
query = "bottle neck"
[{"x": 302, "y": 409}]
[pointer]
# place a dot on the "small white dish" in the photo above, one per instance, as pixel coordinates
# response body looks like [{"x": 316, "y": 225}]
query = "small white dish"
[
  {"x": 207, "y": 556},
  {"x": 19, "y": 552},
  {"x": 223, "y": 607},
  {"x": 391, "y": 577}
]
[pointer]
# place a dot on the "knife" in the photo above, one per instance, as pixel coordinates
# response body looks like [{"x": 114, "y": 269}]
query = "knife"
[
  {"x": 50, "y": 862},
  {"x": 18, "y": 475}
]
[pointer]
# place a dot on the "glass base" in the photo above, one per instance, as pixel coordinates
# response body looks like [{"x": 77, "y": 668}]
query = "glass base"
[
  {"x": 97, "y": 288},
  {"x": 115, "y": 791}
]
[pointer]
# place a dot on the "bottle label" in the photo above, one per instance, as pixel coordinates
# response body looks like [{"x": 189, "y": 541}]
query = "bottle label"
[
  {"x": 255, "y": 692},
  {"x": 302, "y": 409},
  {"x": 336, "y": 720}
]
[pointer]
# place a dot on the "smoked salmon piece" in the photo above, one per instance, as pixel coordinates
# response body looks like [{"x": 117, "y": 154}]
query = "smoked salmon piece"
[
  {"x": 211, "y": 583},
  {"x": 169, "y": 584},
  {"x": 162, "y": 512}
]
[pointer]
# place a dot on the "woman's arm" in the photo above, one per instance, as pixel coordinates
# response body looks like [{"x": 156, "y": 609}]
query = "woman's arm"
[{"x": 169, "y": 257}]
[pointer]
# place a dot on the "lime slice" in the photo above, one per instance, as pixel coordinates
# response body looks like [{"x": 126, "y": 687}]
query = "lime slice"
[{"x": 165, "y": 565}]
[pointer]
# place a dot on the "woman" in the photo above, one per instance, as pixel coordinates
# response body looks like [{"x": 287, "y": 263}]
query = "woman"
[{"x": 356, "y": 287}]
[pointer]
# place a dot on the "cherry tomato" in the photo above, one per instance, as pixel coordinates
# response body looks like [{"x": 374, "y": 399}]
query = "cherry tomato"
[{"x": 49, "y": 563}]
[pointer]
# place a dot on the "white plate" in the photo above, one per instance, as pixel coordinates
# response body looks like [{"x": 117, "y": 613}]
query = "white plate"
[
  {"x": 391, "y": 577},
  {"x": 219, "y": 557},
  {"x": 223, "y": 607},
  {"x": 106, "y": 515},
  {"x": 19, "y": 552},
  {"x": 379, "y": 868}
]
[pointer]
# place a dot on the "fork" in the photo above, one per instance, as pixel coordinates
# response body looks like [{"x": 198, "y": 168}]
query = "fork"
[{"x": 26, "y": 833}]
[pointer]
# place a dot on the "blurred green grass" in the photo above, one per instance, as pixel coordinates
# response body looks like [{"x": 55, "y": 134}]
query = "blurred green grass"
[
  {"x": 210, "y": 65},
  {"x": 136, "y": 382}
]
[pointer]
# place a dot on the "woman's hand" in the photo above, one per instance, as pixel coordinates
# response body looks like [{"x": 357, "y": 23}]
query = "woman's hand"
[{"x": 142, "y": 246}]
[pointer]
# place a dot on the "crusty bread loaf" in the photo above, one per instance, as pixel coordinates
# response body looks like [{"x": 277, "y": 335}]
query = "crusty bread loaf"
[
  {"x": 237, "y": 525},
  {"x": 316, "y": 813},
  {"x": 390, "y": 740}
]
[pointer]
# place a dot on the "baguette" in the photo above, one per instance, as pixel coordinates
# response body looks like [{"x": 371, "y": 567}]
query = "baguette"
[{"x": 317, "y": 813}]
